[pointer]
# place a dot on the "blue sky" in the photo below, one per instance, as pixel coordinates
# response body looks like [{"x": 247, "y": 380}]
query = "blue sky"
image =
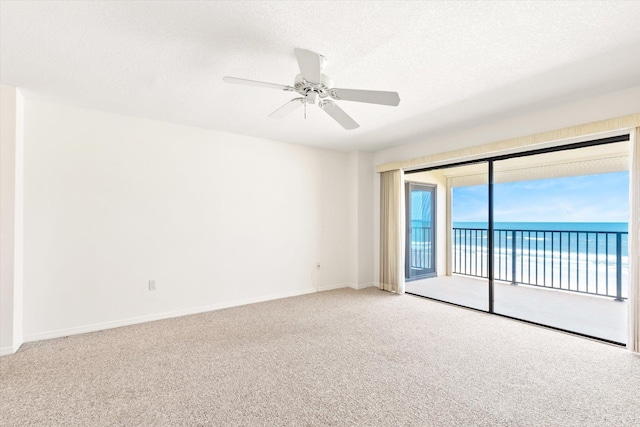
[{"x": 587, "y": 198}]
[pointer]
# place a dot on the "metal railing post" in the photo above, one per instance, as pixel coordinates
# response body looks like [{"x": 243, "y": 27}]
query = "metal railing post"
[
  {"x": 513, "y": 257},
  {"x": 618, "y": 267}
]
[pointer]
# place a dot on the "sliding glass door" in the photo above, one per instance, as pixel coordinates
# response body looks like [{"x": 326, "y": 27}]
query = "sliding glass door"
[
  {"x": 561, "y": 239},
  {"x": 458, "y": 235}
]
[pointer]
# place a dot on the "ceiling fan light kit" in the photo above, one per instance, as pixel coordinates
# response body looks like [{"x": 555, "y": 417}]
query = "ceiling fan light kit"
[{"x": 315, "y": 87}]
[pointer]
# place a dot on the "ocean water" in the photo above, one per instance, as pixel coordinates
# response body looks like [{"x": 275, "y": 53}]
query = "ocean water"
[
  {"x": 590, "y": 239},
  {"x": 550, "y": 226}
]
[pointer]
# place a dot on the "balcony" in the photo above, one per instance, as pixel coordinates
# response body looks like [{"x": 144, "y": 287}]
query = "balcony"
[{"x": 572, "y": 280}]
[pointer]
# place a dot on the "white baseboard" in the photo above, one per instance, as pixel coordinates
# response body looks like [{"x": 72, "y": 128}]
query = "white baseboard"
[
  {"x": 347, "y": 285},
  {"x": 10, "y": 349},
  {"x": 332, "y": 287},
  {"x": 58, "y": 333},
  {"x": 363, "y": 285}
]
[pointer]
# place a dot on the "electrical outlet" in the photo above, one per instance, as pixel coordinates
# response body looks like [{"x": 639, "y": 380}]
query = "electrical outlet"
[{"x": 152, "y": 285}]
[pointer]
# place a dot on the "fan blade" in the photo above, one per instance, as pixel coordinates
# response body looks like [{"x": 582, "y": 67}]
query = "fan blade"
[
  {"x": 339, "y": 115},
  {"x": 310, "y": 65},
  {"x": 246, "y": 82},
  {"x": 369, "y": 96},
  {"x": 287, "y": 108}
]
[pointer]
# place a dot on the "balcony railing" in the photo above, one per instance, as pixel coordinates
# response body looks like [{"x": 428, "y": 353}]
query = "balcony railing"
[
  {"x": 591, "y": 262},
  {"x": 420, "y": 256}
]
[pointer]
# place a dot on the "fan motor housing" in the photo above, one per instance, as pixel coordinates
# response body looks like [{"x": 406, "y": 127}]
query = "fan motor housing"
[{"x": 320, "y": 90}]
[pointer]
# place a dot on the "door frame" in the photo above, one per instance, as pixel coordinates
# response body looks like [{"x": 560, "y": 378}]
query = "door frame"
[
  {"x": 432, "y": 272},
  {"x": 489, "y": 160}
]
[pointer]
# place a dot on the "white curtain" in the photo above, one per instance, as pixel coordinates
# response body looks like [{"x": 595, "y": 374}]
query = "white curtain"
[
  {"x": 392, "y": 231},
  {"x": 633, "y": 342}
]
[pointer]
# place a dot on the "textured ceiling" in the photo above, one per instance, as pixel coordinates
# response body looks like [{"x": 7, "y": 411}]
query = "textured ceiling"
[{"x": 454, "y": 63}]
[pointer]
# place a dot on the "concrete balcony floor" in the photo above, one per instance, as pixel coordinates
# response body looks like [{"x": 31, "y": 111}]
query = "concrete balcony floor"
[{"x": 599, "y": 317}]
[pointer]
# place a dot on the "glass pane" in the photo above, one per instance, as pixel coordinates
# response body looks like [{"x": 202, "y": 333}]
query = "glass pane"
[
  {"x": 460, "y": 236},
  {"x": 560, "y": 237}
]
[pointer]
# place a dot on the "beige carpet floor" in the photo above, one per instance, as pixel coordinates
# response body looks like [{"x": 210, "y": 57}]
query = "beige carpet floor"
[{"x": 337, "y": 358}]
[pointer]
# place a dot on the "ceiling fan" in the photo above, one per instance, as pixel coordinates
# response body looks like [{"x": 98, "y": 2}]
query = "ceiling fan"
[{"x": 315, "y": 87}]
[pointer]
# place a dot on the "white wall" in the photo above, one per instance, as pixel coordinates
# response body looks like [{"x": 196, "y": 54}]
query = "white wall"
[
  {"x": 588, "y": 110},
  {"x": 216, "y": 219},
  {"x": 11, "y": 234},
  {"x": 365, "y": 172},
  {"x": 353, "y": 185},
  {"x": 361, "y": 218}
]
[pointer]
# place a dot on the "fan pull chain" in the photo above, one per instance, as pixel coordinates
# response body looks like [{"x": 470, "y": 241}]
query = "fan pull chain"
[{"x": 305, "y": 110}]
